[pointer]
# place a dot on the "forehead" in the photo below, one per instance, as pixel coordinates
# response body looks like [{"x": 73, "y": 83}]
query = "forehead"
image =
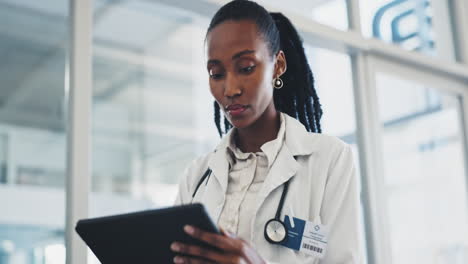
[{"x": 230, "y": 37}]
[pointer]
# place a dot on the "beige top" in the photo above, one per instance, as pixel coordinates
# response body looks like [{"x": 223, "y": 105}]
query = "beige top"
[{"x": 246, "y": 176}]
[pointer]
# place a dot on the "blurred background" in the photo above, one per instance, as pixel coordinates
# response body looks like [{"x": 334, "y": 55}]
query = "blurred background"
[{"x": 392, "y": 76}]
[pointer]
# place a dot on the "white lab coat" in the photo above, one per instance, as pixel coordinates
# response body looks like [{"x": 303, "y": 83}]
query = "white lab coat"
[{"x": 323, "y": 189}]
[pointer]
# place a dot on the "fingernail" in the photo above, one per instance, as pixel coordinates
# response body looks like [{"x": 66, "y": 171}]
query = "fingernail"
[
  {"x": 175, "y": 247},
  {"x": 189, "y": 229},
  {"x": 178, "y": 259}
]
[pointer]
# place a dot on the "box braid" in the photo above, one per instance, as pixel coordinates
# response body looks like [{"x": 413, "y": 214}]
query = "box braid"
[{"x": 298, "y": 97}]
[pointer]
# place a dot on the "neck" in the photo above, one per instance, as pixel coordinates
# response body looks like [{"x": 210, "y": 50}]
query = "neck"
[{"x": 265, "y": 129}]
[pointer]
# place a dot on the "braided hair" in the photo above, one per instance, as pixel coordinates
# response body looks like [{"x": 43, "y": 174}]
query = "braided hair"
[{"x": 298, "y": 97}]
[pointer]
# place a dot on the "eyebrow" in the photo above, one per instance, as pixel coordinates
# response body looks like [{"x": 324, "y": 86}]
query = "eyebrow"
[{"x": 235, "y": 56}]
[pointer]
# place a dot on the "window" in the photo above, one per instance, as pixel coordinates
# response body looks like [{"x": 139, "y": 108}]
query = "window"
[
  {"x": 424, "y": 180},
  {"x": 332, "y": 13},
  {"x": 416, "y": 25},
  {"x": 33, "y": 37},
  {"x": 152, "y": 108}
]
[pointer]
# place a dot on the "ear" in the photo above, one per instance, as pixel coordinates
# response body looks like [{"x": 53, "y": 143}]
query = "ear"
[{"x": 280, "y": 64}]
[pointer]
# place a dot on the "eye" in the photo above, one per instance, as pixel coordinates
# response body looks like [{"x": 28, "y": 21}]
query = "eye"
[
  {"x": 215, "y": 74},
  {"x": 247, "y": 69}
]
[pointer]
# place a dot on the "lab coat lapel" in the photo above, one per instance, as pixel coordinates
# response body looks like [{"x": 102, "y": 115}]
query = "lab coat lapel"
[
  {"x": 216, "y": 194},
  {"x": 220, "y": 166},
  {"x": 283, "y": 169},
  {"x": 285, "y": 166}
]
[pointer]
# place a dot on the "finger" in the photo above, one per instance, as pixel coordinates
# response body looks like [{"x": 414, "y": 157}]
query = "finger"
[
  {"x": 226, "y": 233},
  {"x": 189, "y": 260},
  {"x": 226, "y": 243},
  {"x": 197, "y": 251}
]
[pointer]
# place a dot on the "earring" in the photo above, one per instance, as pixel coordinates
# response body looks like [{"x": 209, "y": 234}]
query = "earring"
[{"x": 277, "y": 83}]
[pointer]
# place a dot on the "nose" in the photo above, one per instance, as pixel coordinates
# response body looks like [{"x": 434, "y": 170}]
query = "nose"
[{"x": 231, "y": 87}]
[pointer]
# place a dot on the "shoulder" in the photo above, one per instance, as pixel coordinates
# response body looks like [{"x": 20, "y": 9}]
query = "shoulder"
[
  {"x": 324, "y": 142},
  {"x": 197, "y": 165},
  {"x": 328, "y": 149},
  {"x": 192, "y": 173},
  {"x": 302, "y": 142},
  {"x": 195, "y": 169}
]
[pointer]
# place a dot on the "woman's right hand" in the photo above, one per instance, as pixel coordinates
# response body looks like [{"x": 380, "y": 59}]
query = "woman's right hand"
[{"x": 231, "y": 249}]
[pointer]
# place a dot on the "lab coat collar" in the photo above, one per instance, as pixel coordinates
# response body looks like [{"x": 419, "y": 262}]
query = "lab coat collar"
[
  {"x": 298, "y": 139},
  {"x": 297, "y": 143}
]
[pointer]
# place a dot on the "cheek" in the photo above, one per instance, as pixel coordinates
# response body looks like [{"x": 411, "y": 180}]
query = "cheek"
[
  {"x": 263, "y": 88},
  {"x": 215, "y": 90}
]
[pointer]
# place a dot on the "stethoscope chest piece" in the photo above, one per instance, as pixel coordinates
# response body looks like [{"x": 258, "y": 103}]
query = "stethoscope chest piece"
[{"x": 275, "y": 231}]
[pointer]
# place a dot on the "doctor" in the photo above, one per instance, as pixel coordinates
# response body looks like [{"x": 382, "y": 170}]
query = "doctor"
[{"x": 280, "y": 191}]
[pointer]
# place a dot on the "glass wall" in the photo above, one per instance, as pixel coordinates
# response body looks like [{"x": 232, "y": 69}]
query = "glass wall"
[
  {"x": 152, "y": 110},
  {"x": 425, "y": 187},
  {"x": 326, "y": 66},
  {"x": 33, "y": 37}
]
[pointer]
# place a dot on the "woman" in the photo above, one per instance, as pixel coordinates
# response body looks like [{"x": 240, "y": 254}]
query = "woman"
[{"x": 279, "y": 193}]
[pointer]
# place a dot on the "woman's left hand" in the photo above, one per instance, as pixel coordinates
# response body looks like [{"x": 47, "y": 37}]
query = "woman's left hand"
[{"x": 232, "y": 249}]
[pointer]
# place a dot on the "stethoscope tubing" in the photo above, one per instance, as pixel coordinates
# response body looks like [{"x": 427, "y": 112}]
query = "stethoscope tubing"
[{"x": 206, "y": 176}]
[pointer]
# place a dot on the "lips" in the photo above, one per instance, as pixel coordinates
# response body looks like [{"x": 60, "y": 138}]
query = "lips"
[{"x": 236, "y": 109}]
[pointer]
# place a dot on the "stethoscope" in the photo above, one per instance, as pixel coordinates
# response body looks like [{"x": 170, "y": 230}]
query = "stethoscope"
[{"x": 275, "y": 230}]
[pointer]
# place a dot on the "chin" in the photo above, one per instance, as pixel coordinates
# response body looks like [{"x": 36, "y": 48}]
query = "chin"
[{"x": 241, "y": 123}]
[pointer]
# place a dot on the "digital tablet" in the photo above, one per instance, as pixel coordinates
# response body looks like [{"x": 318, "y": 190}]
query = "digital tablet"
[{"x": 143, "y": 237}]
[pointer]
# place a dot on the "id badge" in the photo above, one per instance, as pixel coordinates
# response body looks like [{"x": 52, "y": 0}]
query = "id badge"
[{"x": 306, "y": 236}]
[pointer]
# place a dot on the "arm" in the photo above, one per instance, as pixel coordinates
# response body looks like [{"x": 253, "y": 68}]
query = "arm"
[{"x": 340, "y": 211}]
